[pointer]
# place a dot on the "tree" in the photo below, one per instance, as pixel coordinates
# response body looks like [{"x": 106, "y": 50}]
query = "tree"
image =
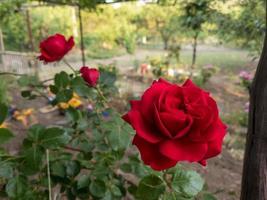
[
  {"x": 244, "y": 26},
  {"x": 254, "y": 183},
  {"x": 196, "y": 13},
  {"x": 159, "y": 20}
]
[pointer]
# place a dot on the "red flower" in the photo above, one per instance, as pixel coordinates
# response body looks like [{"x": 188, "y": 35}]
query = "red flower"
[
  {"x": 176, "y": 123},
  {"x": 55, "y": 47},
  {"x": 90, "y": 75}
]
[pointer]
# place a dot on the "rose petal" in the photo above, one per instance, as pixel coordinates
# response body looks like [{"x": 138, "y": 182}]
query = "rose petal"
[
  {"x": 151, "y": 156},
  {"x": 183, "y": 150},
  {"x": 142, "y": 129},
  {"x": 160, "y": 124},
  {"x": 215, "y": 146},
  {"x": 150, "y": 97},
  {"x": 210, "y": 134}
]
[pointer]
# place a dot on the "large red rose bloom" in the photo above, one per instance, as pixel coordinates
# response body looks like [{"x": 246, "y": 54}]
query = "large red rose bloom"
[
  {"x": 176, "y": 123},
  {"x": 55, "y": 47}
]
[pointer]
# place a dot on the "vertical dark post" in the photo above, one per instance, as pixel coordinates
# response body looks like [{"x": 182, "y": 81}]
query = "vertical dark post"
[
  {"x": 254, "y": 181},
  {"x": 29, "y": 27},
  {"x": 2, "y": 47},
  {"x": 81, "y": 34},
  {"x": 31, "y": 41},
  {"x": 194, "y": 51}
]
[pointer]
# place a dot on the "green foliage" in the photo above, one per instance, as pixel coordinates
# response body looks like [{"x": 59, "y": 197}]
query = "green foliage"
[
  {"x": 187, "y": 184},
  {"x": 5, "y": 84},
  {"x": 244, "y": 25},
  {"x": 5, "y": 135},
  {"x": 150, "y": 187},
  {"x": 3, "y": 112}
]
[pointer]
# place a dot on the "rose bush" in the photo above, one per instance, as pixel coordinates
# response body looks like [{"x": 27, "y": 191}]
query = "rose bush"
[
  {"x": 87, "y": 155},
  {"x": 176, "y": 123}
]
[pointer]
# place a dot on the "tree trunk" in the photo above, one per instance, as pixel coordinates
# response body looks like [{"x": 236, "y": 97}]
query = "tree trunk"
[
  {"x": 166, "y": 44},
  {"x": 254, "y": 181},
  {"x": 2, "y": 47},
  {"x": 31, "y": 41},
  {"x": 194, "y": 51},
  {"x": 81, "y": 35}
]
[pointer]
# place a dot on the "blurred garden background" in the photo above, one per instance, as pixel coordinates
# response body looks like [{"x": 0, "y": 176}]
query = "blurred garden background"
[{"x": 216, "y": 42}]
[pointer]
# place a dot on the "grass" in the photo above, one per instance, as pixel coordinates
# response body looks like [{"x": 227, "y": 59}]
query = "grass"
[
  {"x": 226, "y": 59},
  {"x": 100, "y": 53}
]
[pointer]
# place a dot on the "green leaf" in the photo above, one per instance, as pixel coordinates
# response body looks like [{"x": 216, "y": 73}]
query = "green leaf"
[
  {"x": 62, "y": 80},
  {"x": 26, "y": 93},
  {"x": 117, "y": 134},
  {"x": 33, "y": 160},
  {"x": 6, "y": 170},
  {"x": 83, "y": 182},
  {"x": 115, "y": 191},
  {"x": 16, "y": 187},
  {"x": 208, "y": 196},
  {"x": 73, "y": 168},
  {"x": 64, "y": 95},
  {"x": 35, "y": 132},
  {"x": 98, "y": 188},
  {"x": 3, "y": 112},
  {"x": 53, "y": 89},
  {"x": 150, "y": 188},
  {"x": 58, "y": 169},
  {"x": 5, "y": 135},
  {"x": 73, "y": 114},
  {"x": 27, "y": 80},
  {"x": 187, "y": 183},
  {"x": 54, "y": 138}
]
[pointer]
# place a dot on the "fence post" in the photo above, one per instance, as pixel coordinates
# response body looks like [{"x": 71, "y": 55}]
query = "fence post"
[
  {"x": 254, "y": 181},
  {"x": 2, "y": 47},
  {"x": 31, "y": 41}
]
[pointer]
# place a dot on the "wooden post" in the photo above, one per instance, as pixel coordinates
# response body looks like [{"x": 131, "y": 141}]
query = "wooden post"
[
  {"x": 31, "y": 41},
  {"x": 254, "y": 181},
  {"x": 81, "y": 35},
  {"x": 2, "y": 47}
]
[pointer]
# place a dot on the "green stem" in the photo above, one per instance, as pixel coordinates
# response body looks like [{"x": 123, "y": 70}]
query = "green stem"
[
  {"x": 69, "y": 66},
  {"x": 11, "y": 73},
  {"x": 165, "y": 178},
  {"x": 48, "y": 174},
  {"x": 101, "y": 95}
]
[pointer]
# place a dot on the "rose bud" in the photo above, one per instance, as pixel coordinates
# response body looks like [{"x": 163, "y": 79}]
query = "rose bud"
[
  {"x": 55, "y": 47},
  {"x": 90, "y": 75},
  {"x": 176, "y": 123}
]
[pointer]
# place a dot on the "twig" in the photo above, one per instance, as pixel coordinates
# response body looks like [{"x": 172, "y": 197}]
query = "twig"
[
  {"x": 69, "y": 66},
  {"x": 48, "y": 174},
  {"x": 11, "y": 73},
  {"x": 72, "y": 149}
]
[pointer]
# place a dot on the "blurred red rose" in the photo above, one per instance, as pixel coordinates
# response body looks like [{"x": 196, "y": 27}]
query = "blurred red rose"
[
  {"x": 90, "y": 75},
  {"x": 176, "y": 123},
  {"x": 55, "y": 47}
]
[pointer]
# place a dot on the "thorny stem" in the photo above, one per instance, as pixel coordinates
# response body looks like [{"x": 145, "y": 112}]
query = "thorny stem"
[
  {"x": 48, "y": 174},
  {"x": 72, "y": 149},
  {"x": 103, "y": 98},
  {"x": 165, "y": 177},
  {"x": 69, "y": 66}
]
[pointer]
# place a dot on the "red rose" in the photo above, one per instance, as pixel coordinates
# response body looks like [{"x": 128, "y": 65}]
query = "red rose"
[
  {"x": 90, "y": 75},
  {"x": 55, "y": 47},
  {"x": 175, "y": 124}
]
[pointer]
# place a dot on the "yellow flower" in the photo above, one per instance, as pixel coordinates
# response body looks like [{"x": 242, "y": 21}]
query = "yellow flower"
[
  {"x": 4, "y": 125},
  {"x": 63, "y": 106},
  {"x": 75, "y": 103}
]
